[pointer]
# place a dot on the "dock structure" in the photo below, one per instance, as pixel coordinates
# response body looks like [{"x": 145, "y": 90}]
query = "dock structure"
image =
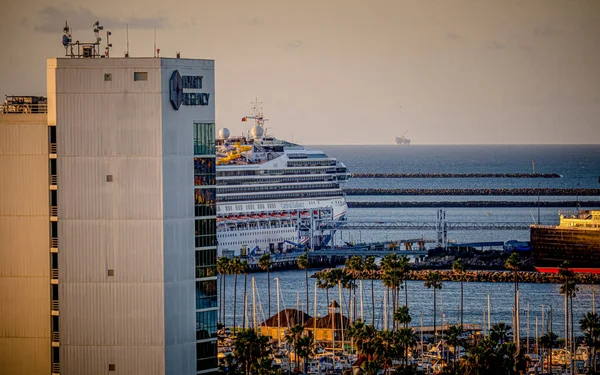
[
  {"x": 416, "y": 225},
  {"x": 440, "y": 226}
]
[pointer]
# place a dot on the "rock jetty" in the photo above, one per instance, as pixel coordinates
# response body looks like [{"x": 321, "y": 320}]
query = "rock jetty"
[
  {"x": 455, "y": 175},
  {"x": 483, "y": 204},
  {"x": 488, "y": 276},
  {"x": 478, "y": 192}
]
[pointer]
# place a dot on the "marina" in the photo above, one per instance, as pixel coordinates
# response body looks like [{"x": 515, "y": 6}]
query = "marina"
[{"x": 414, "y": 229}]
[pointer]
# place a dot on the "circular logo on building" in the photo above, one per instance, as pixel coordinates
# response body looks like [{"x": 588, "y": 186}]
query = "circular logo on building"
[{"x": 176, "y": 90}]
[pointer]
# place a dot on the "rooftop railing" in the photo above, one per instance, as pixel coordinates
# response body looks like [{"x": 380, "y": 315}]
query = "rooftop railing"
[{"x": 23, "y": 108}]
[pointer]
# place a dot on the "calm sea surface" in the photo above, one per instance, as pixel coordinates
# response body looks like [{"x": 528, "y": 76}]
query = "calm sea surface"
[{"x": 579, "y": 166}]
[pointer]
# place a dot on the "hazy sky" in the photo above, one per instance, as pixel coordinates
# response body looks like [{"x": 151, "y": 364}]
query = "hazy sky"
[{"x": 354, "y": 72}]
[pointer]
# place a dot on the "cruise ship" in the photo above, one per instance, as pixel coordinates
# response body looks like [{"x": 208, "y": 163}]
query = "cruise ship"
[
  {"x": 271, "y": 193},
  {"x": 575, "y": 239}
]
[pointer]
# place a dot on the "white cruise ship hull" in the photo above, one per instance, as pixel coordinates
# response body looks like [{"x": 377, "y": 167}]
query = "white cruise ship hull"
[{"x": 247, "y": 231}]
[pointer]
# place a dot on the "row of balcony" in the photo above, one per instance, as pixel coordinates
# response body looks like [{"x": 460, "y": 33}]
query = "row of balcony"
[{"x": 54, "y": 303}]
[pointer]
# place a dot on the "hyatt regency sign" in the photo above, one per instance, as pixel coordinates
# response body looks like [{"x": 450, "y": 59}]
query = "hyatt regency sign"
[{"x": 183, "y": 90}]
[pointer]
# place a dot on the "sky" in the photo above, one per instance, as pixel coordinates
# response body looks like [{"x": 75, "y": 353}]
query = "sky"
[{"x": 349, "y": 71}]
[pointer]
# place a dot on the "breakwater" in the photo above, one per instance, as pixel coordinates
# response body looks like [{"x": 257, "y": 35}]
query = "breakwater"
[
  {"x": 455, "y": 175},
  {"x": 482, "y": 204},
  {"x": 486, "y": 276},
  {"x": 478, "y": 192}
]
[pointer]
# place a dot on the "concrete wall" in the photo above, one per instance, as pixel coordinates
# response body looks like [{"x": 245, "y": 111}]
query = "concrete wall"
[
  {"x": 24, "y": 245},
  {"x": 109, "y": 128}
]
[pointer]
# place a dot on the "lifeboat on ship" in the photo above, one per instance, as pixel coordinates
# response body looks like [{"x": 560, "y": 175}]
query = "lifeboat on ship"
[
  {"x": 275, "y": 215},
  {"x": 305, "y": 214},
  {"x": 285, "y": 215},
  {"x": 242, "y": 218},
  {"x": 231, "y": 218},
  {"x": 253, "y": 217}
]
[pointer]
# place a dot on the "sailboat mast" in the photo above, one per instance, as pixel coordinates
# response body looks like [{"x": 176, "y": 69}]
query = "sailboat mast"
[
  {"x": 489, "y": 319},
  {"x": 362, "y": 312},
  {"x": 315, "y": 316},
  {"x": 341, "y": 312},
  {"x": 254, "y": 303},
  {"x": 278, "y": 316}
]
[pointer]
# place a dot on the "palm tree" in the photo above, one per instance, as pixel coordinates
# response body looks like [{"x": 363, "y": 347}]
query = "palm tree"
[
  {"x": 303, "y": 264},
  {"x": 402, "y": 316},
  {"x": 459, "y": 268},
  {"x": 354, "y": 267},
  {"x": 251, "y": 351},
  {"x": 590, "y": 325},
  {"x": 406, "y": 339},
  {"x": 513, "y": 263},
  {"x": 405, "y": 335},
  {"x": 392, "y": 277},
  {"x": 235, "y": 267},
  {"x": 370, "y": 266},
  {"x": 223, "y": 264},
  {"x": 569, "y": 289},
  {"x": 453, "y": 338},
  {"x": 264, "y": 262},
  {"x": 292, "y": 336},
  {"x": 404, "y": 268},
  {"x": 549, "y": 341},
  {"x": 323, "y": 282},
  {"x": 305, "y": 349},
  {"x": 367, "y": 341},
  {"x": 434, "y": 280},
  {"x": 501, "y": 333}
]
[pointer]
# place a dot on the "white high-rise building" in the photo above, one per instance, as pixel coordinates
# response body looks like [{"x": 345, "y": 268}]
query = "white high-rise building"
[{"x": 130, "y": 240}]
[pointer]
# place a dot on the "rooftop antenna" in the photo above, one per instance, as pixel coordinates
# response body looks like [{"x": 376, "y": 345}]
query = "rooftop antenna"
[
  {"x": 127, "y": 50},
  {"x": 84, "y": 50},
  {"x": 108, "y": 45}
]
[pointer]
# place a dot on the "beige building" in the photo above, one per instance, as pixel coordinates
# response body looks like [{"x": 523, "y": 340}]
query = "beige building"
[
  {"x": 25, "y": 271},
  {"x": 108, "y": 237}
]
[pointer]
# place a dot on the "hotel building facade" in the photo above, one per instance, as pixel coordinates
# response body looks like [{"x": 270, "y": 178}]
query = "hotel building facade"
[{"x": 107, "y": 221}]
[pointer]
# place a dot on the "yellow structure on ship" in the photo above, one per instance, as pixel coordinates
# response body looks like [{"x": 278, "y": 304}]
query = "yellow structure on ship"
[{"x": 234, "y": 154}]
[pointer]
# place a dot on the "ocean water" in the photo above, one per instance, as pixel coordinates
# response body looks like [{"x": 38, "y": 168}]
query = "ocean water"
[{"x": 578, "y": 165}]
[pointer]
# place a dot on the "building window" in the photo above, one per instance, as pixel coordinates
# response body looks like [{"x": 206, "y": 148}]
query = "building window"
[
  {"x": 204, "y": 139},
  {"x": 140, "y": 76},
  {"x": 205, "y": 263},
  {"x": 205, "y": 201},
  {"x": 206, "y": 294},
  {"x": 206, "y": 354},
  {"x": 108, "y": 77},
  {"x": 204, "y": 171}
]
